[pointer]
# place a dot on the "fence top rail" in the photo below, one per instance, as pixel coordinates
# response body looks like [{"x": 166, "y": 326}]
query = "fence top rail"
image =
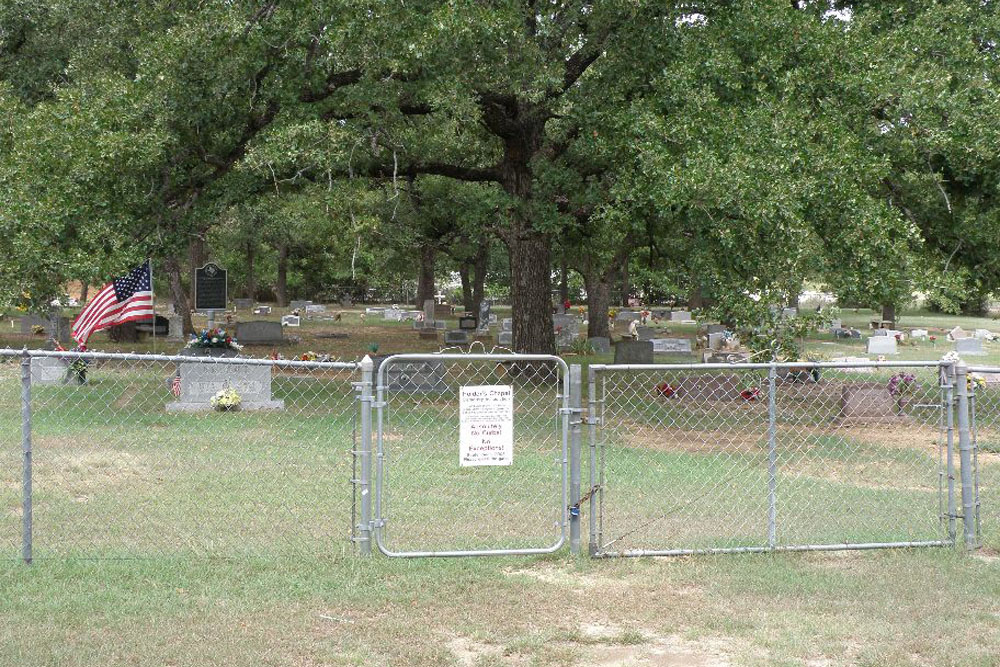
[
  {"x": 175, "y": 358},
  {"x": 767, "y": 366},
  {"x": 984, "y": 369},
  {"x": 449, "y": 356}
]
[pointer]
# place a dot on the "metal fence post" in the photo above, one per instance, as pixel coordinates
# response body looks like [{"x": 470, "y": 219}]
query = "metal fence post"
[
  {"x": 26, "y": 527},
  {"x": 965, "y": 456},
  {"x": 592, "y": 428},
  {"x": 949, "y": 371},
  {"x": 365, "y": 452},
  {"x": 772, "y": 457},
  {"x": 575, "y": 425}
]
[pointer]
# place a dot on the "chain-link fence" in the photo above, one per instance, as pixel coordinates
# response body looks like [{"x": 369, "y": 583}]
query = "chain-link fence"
[
  {"x": 129, "y": 458},
  {"x": 984, "y": 390},
  {"x": 692, "y": 458},
  {"x": 471, "y": 454}
]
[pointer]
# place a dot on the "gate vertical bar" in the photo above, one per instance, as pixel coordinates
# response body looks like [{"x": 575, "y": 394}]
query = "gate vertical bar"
[
  {"x": 575, "y": 425},
  {"x": 772, "y": 457},
  {"x": 26, "y": 526},
  {"x": 950, "y": 444},
  {"x": 592, "y": 423},
  {"x": 365, "y": 527},
  {"x": 965, "y": 456}
]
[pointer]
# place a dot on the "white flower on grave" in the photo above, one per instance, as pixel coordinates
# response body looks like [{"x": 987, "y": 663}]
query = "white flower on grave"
[{"x": 215, "y": 340}]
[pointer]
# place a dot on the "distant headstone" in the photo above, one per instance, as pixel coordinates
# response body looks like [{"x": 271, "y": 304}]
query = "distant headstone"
[
  {"x": 48, "y": 370},
  {"x": 633, "y": 352},
  {"x": 869, "y": 402},
  {"x": 715, "y": 340},
  {"x": 457, "y": 337},
  {"x": 260, "y": 332},
  {"x": 410, "y": 315},
  {"x": 882, "y": 345},
  {"x": 970, "y": 346},
  {"x": 211, "y": 290},
  {"x": 505, "y": 338},
  {"x": 600, "y": 344},
  {"x": 983, "y": 334},
  {"x": 507, "y": 324},
  {"x": 175, "y": 328},
  {"x": 315, "y": 308},
  {"x": 680, "y": 316},
  {"x": 918, "y": 334},
  {"x": 789, "y": 312},
  {"x": 846, "y": 333},
  {"x": 468, "y": 323},
  {"x": 288, "y": 321},
  {"x": 672, "y": 345},
  {"x": 835, "y": 324},
  {"x": 243, "y": 304},
  {"x": 158, "y": 325},
  {"x": 392, "y": 314},
  {"x": 565, "y": 336},
  {"x": 716, "y": 328},
  {"x": 345, "y": 302},
  {"x": 442, "y": 311},
  {"x": 374, "y": 311},
  {"x": 429, "y": 307},
  {"x": 439, "y": 325},
  {"x": 415, "y": 377},
  {"x": 201, "y": 381},
  {"x": 56, "y": 327},
  {"x": 958, "y": 332},
  {"x": 299, "y": 305},
  {"x": 627, "y": 316},
  {"x": 262, "y": 310},
  {"x": 880, "y": 333},
  {"x": 560, "y": 309},
  {"x": 645, "y": 333}
]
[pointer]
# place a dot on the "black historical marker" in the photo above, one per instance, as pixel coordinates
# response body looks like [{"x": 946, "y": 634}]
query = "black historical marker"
[{"x": 210, "y": 290}]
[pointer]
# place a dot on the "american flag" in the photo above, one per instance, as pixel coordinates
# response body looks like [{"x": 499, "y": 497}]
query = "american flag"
[{"x": 124, "y": 299}]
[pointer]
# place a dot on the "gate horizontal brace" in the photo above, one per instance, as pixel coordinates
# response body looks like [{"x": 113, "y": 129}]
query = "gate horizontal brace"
[{"x": 596, "y": 421}]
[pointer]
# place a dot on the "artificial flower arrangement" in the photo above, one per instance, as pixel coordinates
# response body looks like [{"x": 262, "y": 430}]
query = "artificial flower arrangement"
[
  {"x": 750, "y": 394},
  {"x": 974, "y": 381},
  {"x": 309, "y": 356},
  {"x": 226, "y": 399},
  {"x": 213, "y": 338},
  {"x": 666, "y": 390},
  {"x": 901, "y": 384}
]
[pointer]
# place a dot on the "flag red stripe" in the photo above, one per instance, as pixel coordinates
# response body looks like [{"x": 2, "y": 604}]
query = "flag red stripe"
[
  {"x": 93, "y": 309},
  {"x": 114, "y": 314}
]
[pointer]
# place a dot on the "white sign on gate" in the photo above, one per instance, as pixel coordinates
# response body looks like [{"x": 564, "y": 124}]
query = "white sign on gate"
[{"x": 486, "y": 420}]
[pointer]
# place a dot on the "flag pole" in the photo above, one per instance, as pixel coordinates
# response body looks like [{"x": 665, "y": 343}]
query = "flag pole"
[{"x": 152, "y": 296}]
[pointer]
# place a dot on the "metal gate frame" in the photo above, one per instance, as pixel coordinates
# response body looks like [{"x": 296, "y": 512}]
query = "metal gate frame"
[
  {"x": 372, "y": 523},
  {"x": 954, "y": 397}
]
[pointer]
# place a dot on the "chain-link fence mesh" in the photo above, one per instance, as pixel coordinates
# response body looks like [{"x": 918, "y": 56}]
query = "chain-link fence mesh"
[
  {"x": 429, "y": 501},
  {"x": 984, "y": 400},
  {"x": 10, "y": 457},
  {"x": 130, "y": 459},
  {"x": 702, "y": 458}
]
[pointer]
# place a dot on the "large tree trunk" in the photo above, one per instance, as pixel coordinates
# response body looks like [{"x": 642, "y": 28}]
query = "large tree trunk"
[
  {"x": 196, "y": 259},
  {"x": 465, "y": 272},
  {"x": 177, "y": 293},
  {"x": 84, "y": 291},
  {"x": 530, "y": 290},
  {"x": 479, "y": 265},
  {"x": 425, "y": 277},
  {"x": 626, "y": 285},
  {"x": 251, "y": 277},
  {"x": 598, "y": 303},
  {"x": 281, "y": 287},
  {"x": 695, "y": 299},
  {"x": 563, "y": 280}
]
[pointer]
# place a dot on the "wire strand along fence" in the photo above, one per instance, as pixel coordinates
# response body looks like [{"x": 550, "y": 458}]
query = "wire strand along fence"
[{"x": 134, "y": 463}]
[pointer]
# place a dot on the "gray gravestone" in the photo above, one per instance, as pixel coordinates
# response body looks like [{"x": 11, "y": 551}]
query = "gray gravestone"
[
  {"x": 869, "y": 402},
  {"x": 429, "y": 310},
  {"x": 57, "y": 328},
  {"x": 715, "y": 341},
  {"x": 835, "y": 324},
  {"x": 972, "y": 347},
  {"x": 715, "y": 328},
  {"x": 633, "y": 352},
  {"x": 442, "y": 311},
  {"x": 680, "y": 316},
  {"x": 48, "y": 370},
  {"x": 392, "y": 314},
  {"x": 262, "y": 310},
  {"x": 882, "y": 345},
  {"x": 627, "y": 316},
  {"x": 507, "y": 324},
  {"x": 175, "y": 328},
  {"x": 505, "y": 338},
  {"x": 645, "y": 333},
  {"x": 259, "y": 332},
  {"x": 315, "y": 308},
  {"x": 201, "y": 381},
  {"x": 600, "y": 344},
  {"x": 457, "y": 337},
  {"x": 672, "y": 345},
  {"x": 243, "y": 304},
  {"x": 290, "y": 321},
  {"x": 416, "y": 377},
  {"x": 299, "y": 305}
]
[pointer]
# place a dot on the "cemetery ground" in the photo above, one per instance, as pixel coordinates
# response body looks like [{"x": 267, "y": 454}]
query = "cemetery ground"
[{"x": 210, "y": 539}]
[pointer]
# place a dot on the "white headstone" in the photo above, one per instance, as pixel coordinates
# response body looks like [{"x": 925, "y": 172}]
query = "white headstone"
[
  {"x": 291, "y": 321},
  {"x": 983, "y": 334},
  {"x": 957, "y": 333},
  {"x": 918, "y": 334},
  {"x": 315, "y": 308},
  {"x": 972, "y": 347},
  {"x": 882, "y": 345},
  {"x": 680, "y": 316},
  {"x": 675, "y": 345}
]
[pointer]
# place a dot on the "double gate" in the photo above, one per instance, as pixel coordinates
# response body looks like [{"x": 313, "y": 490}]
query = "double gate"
[{"x": 682, "y": 459}]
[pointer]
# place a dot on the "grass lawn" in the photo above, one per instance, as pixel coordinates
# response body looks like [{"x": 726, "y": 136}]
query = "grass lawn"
[{"x": 223, "y": 539}]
